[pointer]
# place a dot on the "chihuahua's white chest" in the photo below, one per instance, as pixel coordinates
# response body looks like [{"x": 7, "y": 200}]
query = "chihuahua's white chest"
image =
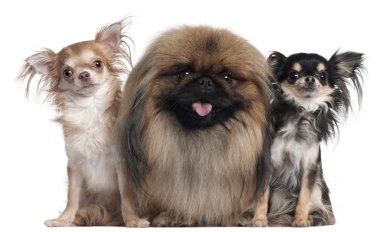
[
  {"x": 88, "y": 133},
  {"x": 99, "y": 174},
  {"x": 88, "y": 139},
  {"x": 297, "y": 142}
]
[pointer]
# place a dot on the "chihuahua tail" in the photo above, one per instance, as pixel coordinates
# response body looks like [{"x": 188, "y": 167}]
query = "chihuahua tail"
[{"x": 95, "y": 215}]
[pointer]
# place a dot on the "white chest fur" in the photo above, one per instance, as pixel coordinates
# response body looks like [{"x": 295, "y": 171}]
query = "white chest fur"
[
  {"x": 87, "y": 130},
  {"x": 88, "y": 138},
  {"x": 100, "y": 174},
  {"x": 296, "y": 142}
]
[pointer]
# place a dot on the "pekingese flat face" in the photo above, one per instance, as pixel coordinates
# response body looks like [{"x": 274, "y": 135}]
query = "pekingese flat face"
[
  {"x": 207, "y": 79},
  {"x": 203, "y": 98}
]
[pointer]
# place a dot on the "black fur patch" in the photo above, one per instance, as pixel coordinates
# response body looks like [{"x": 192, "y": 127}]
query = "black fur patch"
[
  {"x": 313, "y": 175},
  {"x": 131, "y": 142},
  {"x": 263, "y": 167},
  {"x": 180, "y": 104}
]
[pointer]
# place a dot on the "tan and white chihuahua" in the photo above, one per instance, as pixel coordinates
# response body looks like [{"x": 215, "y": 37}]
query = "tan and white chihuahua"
[{"x": 82, "y": 81}]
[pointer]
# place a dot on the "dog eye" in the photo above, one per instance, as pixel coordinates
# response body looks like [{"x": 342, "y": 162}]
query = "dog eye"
[
  {"x": 97, "y": 64},
  {"x": 293, "y": 76},
  {"x": 183, "y": 74},
  {"x": 227, "y": 77},
  {"x": 67, "y": 72},
  {"x": 323, "y": 77}
]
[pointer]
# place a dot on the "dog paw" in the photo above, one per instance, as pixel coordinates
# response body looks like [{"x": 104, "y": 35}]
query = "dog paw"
[
  {"x": 58, "y": 222},
  {"x": 137, "y": 223},
  {"x": 258, "y": 222},
  {"x": 162, "y": 220},
  {"x": 301, "y": 222}
]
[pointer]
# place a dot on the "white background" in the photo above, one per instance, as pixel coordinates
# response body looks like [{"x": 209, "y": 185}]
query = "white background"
[{"x": 32, "y": 159}]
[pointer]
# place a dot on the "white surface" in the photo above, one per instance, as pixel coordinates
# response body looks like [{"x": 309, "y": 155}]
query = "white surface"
[{"x": 32, "y": 158}]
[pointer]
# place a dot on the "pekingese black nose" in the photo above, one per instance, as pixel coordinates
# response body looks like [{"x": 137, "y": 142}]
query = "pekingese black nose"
[
  {"x": 84, "y": 76},
  {"x": 206, "y": 83}
]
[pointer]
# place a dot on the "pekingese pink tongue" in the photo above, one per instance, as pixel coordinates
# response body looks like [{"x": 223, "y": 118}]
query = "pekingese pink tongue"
[{"x": 202, "y": 109}]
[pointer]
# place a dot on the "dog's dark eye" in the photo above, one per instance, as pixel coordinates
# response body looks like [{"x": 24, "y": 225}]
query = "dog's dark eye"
[
  {"x": 227, "y": 77},
  {"x": 293, "y": 76},
  {"x": 183, "y": 74},
  {"x": 323, "y": 77},
  {"x": 67, "y": 72},
  {"x": 97, "y": 64}
]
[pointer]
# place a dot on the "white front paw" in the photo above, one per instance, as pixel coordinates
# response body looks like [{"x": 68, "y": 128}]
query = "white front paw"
[{"x": 59, "y": 222}]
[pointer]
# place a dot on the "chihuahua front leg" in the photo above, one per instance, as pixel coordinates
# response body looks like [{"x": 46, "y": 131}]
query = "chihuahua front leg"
[
  {"x": 127, "y": 202},
  {"x": 73, "y": 197},
  {"x": 301, "y": 218}
]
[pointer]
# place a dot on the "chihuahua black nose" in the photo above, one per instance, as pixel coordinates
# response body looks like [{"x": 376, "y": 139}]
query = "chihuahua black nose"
[
  {"x": 84, "y": 76},
  {"x": 310, "y": 80},
  {"x": 206, "y": 83}
]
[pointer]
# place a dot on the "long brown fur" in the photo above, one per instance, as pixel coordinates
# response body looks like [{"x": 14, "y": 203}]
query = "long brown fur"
[{"x": 205, "y": 177}]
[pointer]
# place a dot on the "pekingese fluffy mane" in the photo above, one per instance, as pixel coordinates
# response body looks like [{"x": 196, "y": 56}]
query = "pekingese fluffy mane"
[{"x": 193, "y": 128}]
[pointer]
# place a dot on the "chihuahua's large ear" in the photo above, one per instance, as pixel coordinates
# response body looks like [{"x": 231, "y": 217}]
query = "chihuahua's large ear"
[
  {"x": 110, "y": 36},
  {"x": 42, "y": 63},
  {"x": 349, "y": 65},
  {"x": 116, "y": 43},
  {"x": 276, "y": 61}
]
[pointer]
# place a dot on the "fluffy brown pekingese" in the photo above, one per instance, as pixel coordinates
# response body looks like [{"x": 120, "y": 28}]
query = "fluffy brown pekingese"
[{"x": 194, "y": 130}]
